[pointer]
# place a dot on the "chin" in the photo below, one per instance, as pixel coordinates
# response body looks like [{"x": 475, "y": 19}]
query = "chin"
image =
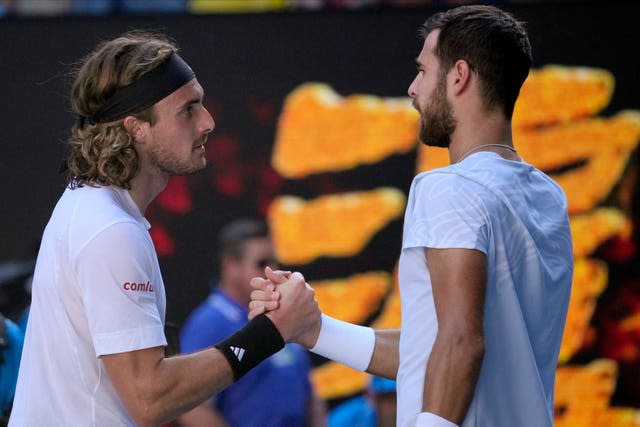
[{"x": 434, "y": 142}]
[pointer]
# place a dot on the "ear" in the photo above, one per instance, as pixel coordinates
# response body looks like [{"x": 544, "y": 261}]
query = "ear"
[
  {"x": 136, "y": 128},
  {"x": 461, "y": 76}
]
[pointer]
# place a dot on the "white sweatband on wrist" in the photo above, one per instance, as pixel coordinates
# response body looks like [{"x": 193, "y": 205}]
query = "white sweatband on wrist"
[
  {"x": 427, "y": 419},
  {"x": 349, "y": 344}
]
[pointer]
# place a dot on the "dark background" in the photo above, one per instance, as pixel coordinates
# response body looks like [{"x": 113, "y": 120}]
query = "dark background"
[{"x": 247, "y": 65}]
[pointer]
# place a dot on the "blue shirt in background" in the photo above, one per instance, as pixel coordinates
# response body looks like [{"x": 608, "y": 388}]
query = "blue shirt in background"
[{"x": 276, "y": 393}]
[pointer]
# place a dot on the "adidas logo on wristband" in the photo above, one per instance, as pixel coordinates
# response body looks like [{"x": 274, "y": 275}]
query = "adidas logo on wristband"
[
  {"x": 252, "y": 344},
  {"x": 239, "y": 352}
]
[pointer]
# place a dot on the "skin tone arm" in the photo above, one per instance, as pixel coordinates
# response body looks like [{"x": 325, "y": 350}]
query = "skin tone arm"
[
  {"x": 458, "y": 278},
  {"x": 264, "y": 298},
  {"x": 386, "y": 357},
  {"x": 156, "y": 389}
]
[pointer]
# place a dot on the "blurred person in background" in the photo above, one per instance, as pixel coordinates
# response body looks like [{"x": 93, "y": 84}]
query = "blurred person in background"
[
  {"x": 377, "y": 407},
  {"x": 11, "y": 341},
  {"x": 277, "y": 393}
]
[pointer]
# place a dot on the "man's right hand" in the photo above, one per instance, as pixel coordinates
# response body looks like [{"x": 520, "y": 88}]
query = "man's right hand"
[{"x": 293, "y": 308}]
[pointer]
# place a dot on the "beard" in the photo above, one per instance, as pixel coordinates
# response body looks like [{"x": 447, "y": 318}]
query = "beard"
[
  {"x": 436, "y": 120},
  {"x": 170, "y": 165}
]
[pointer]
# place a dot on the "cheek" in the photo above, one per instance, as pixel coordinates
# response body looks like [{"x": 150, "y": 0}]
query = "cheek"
[
  {"x": 427, "y": 89},
  {"x": 176, "y": 133}
]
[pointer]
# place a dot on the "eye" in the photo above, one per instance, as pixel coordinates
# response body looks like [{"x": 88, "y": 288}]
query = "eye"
[{"x": 189, "y": 110}]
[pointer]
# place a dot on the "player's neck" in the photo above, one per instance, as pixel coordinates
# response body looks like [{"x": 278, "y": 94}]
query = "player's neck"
[
  {"x": 146, "y": 186},
  {"x": 484, "y": 132}
]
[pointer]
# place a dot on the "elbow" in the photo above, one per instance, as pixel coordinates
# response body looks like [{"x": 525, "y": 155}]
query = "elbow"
[
  {"x": 476, "y": 351},
  {"x": 474, "y": 343},
  {"x": 473, "y": 347},
  {"x": 145, "y": 417},
  {"x": 146, "y": 412},
  {"x": 465, "y": 346}
]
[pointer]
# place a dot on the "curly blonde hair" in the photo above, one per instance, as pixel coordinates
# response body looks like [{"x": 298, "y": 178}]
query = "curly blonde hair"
[{"x": 103, "y": 153}]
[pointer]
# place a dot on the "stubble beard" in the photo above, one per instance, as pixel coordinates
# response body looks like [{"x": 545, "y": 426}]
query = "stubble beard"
[
  {"x": 436, "y": 120},
  {"x": 170, "y": 165}
]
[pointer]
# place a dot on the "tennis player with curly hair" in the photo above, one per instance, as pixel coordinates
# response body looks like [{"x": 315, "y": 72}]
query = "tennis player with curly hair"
[{"x": 94, "y": 347}]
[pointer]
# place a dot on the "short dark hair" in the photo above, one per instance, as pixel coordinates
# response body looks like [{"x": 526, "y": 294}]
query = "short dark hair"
[
  {"x": 492, "y": 42},
  {"x": 234, "y": 235}
]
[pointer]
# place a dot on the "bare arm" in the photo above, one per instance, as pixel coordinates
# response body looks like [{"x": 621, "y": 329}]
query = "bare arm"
[
  {"x": 458, "y": 278},
  {"x": 156, "y": 389},
  {"x": 203, "y": 415},
  {"x": 386, "y": 358}
]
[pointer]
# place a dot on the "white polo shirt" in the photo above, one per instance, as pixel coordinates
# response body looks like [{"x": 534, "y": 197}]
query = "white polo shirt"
[
  {"x": 517, "y": 216},
  {"x": 97, "y": 290}
]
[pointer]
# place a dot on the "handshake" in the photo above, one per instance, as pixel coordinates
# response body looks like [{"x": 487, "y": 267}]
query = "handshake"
[{"x": 290, "y": 303}]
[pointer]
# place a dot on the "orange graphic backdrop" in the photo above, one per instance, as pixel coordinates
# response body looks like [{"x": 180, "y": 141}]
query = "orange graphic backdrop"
[{"x": 556, "y": 128}]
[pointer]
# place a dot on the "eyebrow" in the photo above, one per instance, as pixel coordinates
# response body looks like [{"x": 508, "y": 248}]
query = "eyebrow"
[{"x": 192, "y": 101}]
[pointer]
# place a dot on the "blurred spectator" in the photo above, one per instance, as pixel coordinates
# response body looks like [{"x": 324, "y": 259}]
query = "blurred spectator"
[
  {"x": 15, "y": 296},
  {"x": 5, "y": 5},
  {"x": 217, "y": 6},
  {"x": 277, "y": 393},
  {"x": 91, "y": 7},
  {"x": 376, "y": 408},
  {"x": 15, "y": 288},
  {"x": 11, "y": 340},
  {"x": 153, "y": 6},
  {"x": 105, "y": 7},
  {"x": 334, "y": 4},
  {"x": 41, "y": 7}
]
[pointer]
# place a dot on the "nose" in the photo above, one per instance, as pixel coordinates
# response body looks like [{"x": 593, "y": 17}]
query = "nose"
[
  {"x": 208, "y": 123},
  {"x": 411, "y": 91}
]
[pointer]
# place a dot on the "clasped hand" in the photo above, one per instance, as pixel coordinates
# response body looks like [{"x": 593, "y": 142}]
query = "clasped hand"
[{"x": 289, "y": 302}]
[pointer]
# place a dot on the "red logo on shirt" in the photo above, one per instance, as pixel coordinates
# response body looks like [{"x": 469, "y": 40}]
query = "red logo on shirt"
[{"x": 139, "y": 287}]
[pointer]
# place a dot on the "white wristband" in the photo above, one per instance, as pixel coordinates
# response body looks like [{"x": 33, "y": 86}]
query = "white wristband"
[
  {"x": 349, "y": 344},
  {"x": 427, "y": 419}
]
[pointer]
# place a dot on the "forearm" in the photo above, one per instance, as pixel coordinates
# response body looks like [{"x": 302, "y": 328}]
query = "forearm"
[
  {"x": 156, "y": 389},
  {"x": 386, "y": 359},
  {"x": 178, "y": 384},
  {"x": 451, "y": 376}
]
